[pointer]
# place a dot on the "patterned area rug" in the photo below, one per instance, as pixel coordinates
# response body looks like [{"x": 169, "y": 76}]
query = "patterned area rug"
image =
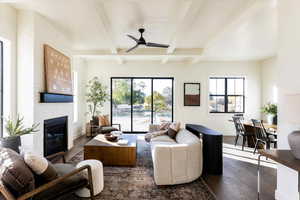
[{"x": 136, "y": 183}]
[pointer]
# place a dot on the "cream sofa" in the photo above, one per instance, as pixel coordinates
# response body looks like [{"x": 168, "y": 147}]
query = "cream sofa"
[{"x": 176, "y": 161}]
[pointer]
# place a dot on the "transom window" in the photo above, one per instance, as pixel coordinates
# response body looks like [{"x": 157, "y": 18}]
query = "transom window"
[{"x": 226, "y": 95}]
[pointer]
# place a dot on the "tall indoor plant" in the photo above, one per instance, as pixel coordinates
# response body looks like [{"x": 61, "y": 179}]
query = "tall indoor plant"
[
  {"x": 270, "y": 110},
  {"x": 15, "y": 129},
  {"x": 96, "y": 96}
]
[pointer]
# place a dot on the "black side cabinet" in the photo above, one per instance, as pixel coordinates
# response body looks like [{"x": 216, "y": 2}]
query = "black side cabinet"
[{"x": 212, "y": 148}]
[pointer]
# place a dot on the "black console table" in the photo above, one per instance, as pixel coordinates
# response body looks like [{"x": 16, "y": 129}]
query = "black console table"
[{"x": 212, "y": 148}]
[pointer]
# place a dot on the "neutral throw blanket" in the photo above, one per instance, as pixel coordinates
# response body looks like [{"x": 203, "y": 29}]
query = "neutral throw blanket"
[{"x": 154, "y": 134}]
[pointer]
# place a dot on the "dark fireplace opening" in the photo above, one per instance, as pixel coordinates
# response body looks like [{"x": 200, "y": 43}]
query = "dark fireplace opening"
[{"x": 55, "y": 135}]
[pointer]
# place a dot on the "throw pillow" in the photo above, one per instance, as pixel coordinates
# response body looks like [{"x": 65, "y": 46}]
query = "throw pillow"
[
  {"x": 164, "y": 126},
  {"x": 154, "y": 134},
  {"x": 104, "y": 120},
  {"x": 14, "y": 173},
  {"x": 40, "y": 166},
  {"x": 173, "y": 129}
]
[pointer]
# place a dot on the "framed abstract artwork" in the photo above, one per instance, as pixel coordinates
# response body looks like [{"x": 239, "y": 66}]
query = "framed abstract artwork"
[
  {"x": 192, "y": 94},
  {"x": 57, "y": 71}
]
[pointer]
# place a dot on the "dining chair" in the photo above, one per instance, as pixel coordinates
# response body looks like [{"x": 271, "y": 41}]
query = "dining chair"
[
  {"x": 240, "y": 130},
  {"x": 262, "y": 136},
  {"x": 240, "y": 115},
  {"x": 270, "y": 133}
]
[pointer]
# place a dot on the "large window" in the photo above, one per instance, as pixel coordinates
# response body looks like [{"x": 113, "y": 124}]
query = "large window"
[
  {"x": 1, "y": 89},
  {"x": 138, "y": 102},
  {"x": 226, "y": 95}
]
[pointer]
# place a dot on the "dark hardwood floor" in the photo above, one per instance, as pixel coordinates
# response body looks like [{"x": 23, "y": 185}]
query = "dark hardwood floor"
[
  {"x": 78, "y": 146},
  {"x": 238, "y": 181}
]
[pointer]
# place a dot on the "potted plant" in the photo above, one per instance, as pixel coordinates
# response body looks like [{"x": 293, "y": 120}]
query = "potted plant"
[
  {"x": 96, "y": 96},
  {"x": 15, "y": 130},
  {"x": 270, "y": 110}
]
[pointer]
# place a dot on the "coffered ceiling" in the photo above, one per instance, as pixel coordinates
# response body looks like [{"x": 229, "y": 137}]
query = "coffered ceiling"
[{"x": 195, "y": 29}]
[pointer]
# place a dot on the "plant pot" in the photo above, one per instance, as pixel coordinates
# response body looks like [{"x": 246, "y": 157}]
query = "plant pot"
[
  {"x": 275, "y": 120},
  {"x": 94, "y": 121},
  {"x": 294, "y": 142},
  {"x": 11, "y": 142},
  {"x": 270, "y": 119}
]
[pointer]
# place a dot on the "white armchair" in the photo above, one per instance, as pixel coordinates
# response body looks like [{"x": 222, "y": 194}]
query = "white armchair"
[{"x": 176, "y": 161}]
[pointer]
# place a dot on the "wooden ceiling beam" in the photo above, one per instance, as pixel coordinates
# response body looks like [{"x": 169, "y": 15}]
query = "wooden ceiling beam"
[
  {"x": 104, "y": 26},
  {"x": 192, "y": 52},
  {"x": 191, "y": 9}
]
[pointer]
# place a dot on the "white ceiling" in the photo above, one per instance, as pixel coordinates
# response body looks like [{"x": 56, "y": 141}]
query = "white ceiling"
[{"x": 224, "y": 29}]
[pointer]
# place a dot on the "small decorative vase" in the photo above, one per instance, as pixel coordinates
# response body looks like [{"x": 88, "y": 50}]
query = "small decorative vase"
[
  {"x": 11, "y": 142},
  {"x": 294, "y": 142},
  {"x": 94, "y": 121},
  {"x": 270, "y": 119}
]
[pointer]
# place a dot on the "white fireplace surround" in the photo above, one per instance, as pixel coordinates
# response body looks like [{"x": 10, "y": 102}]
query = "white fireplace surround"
[
  {"x": 33, "y": 32},
  {"x": 35, "y": 142}
]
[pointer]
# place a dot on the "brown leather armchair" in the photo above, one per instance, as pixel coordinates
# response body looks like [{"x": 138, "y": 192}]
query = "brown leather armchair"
[{"x": 69, "y": 180}]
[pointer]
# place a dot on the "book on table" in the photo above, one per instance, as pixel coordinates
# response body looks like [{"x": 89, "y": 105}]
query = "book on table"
[{"x": 123, "y": 142}]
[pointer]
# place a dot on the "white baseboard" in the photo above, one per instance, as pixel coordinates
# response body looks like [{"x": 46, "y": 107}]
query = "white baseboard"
[
  {"x": 282, "y": 196},
  {"x": 78, "y": 136}
]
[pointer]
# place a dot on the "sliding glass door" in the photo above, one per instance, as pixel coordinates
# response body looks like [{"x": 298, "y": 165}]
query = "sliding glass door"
[
  {"x": 141, "y": 113},
  {"x": 121, "y": 103},
  {"x": 138, "y": 102},
  {"x": 162, "y": 100}
]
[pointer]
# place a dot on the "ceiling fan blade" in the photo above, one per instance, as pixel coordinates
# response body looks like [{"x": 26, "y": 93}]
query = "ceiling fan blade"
[
  {"x": 136, "y": 40},
  {"x": 132, "y": 48},
  {"x": 150, "y": 44}
]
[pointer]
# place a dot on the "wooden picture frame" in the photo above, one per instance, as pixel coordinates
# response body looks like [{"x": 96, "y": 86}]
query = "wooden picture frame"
[
  {"x": 192, "y": 94},
  {"x": 58, "y": 77}
]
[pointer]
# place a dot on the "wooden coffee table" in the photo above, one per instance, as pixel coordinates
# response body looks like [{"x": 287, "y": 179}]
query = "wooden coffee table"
[{"x": 111, "y": 153}]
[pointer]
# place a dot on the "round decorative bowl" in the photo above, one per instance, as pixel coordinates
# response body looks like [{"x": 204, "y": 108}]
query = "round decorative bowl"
[{"x": 111, "y": 137}]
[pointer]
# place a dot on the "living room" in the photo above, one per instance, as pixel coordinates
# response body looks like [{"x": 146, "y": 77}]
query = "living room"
[{"x": 237, "y": 59}]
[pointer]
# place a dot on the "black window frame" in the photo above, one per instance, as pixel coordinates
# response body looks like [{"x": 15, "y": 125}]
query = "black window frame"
[
  {"x": 226, "y": 95},
  {"x": 131, "y": 90},
  {"x": 1, "y": 86}
]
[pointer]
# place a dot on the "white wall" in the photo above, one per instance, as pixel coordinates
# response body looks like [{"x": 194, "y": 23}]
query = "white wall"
[
  {"x": 288, "y": 83},
  {"x": 79, "y": 66},
  {"x": 190, "y": 73},
  {"x": 269, "y": 80},
  {"x": 25, "y": 74},
  {"x": 8, "y": 34},
  {"x": 269, "y": 91}
]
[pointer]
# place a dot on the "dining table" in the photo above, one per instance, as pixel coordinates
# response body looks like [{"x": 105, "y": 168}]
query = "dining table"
[{"x": 250, "y": 130}]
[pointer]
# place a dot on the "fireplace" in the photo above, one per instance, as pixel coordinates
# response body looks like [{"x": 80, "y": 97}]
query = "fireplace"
[{"x": 55, "y": 135}]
